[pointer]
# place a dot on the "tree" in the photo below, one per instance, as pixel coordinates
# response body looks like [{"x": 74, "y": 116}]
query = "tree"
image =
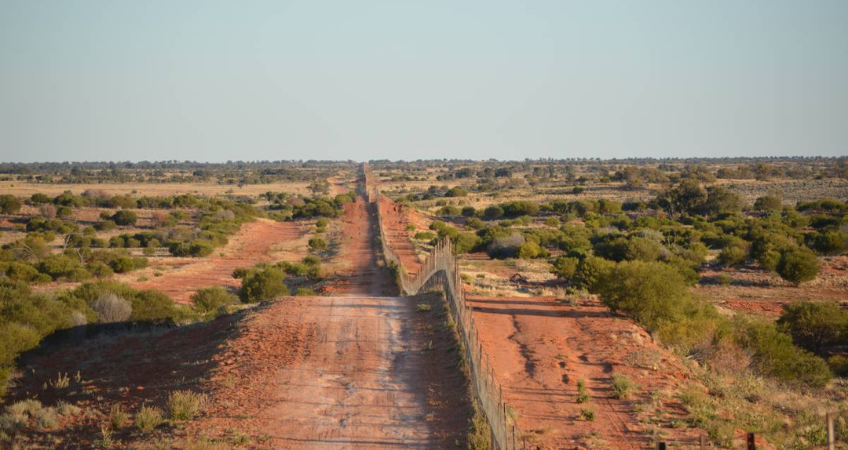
[
  {"x": 721, "y": 200},
  {"x": 9, "y": 204},
  {"x": 565, "y": 267},
  {"x": 685, "y": 198},
  {"x": 798, "y": 265}
]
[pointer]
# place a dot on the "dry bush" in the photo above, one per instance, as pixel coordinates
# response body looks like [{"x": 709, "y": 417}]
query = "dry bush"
[
  {"x": 47, "y": 210},
  {"x": 112, "y": 308},
  {"x": 185, "y": 405},
  {"x": 159, "y": 218}
]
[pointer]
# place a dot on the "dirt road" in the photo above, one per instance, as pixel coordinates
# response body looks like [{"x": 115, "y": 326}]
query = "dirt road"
[{"x": 353, "y": 371}]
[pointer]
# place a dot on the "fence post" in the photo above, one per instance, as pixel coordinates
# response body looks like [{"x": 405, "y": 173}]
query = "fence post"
[
  {"x": 703, "y": 440},
  {"x": 831, "y": 435},
  {"x": 661, "y": 446},
  {"x": 752, "y": 442}
]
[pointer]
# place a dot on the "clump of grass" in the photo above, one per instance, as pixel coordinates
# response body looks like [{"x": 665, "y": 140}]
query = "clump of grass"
[
  {"x": 148, "y": 418},
  {"x": 62, "y": 381},
  {"x": 24, "y": 408},
  {"x": 67, "y": 409},
  {"x": 582, "y": 394},
  {"x": 185, "y": 405},
  {"x": 105, "y": 440},
  {"x": 479, "y": 437},
  {"x": 587, "y": 414},
  {"x": 423, "y": 307},
  {"x": 622, "y": 386},
  {"x": 118, "y": 418},
  {"x": 46, "y": 418}
]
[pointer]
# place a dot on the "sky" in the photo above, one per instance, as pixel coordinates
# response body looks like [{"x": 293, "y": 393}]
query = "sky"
[{"x": 278, "y": 80}]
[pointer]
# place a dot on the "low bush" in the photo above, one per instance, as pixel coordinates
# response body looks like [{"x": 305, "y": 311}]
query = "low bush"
[
  {"x": 815, "y": 325},
  {"x": 798, "y": 266},
  {"x": 212, "y": 299},
  {"x": 316, "y": 243},
  {"x": 263, "y": 285},
  {"x": 112, "y": 308},
  {"x": 622, "y": 386},
  {"x": 125, "y": 218}
]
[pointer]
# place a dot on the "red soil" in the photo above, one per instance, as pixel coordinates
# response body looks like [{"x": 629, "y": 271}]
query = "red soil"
[
  {"x": 395, "y": 218},
  {"x": 541, "y": 348},
  {"x": 258, "y": 241}
]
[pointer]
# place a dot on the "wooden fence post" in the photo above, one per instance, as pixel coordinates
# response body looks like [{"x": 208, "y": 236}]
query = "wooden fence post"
[
  {"x": 752, "y": 442},
  {"x": 831, "y": 435}
]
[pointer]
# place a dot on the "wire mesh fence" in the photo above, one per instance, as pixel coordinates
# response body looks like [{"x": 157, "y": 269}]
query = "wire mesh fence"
[{"x": 441, "y": 269}]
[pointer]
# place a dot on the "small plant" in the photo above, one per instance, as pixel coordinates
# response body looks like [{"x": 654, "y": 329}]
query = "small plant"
[
  {"x": 62, "y": 381},
  {"x": 46, "y": 418},
  {"x": 148, "y": 418},
  {"x": 105, "y": 440},
  {"x": 587, "y": 414},
  {"x": 185, "y": 405},
  {"x": 118, "y": 418},
  {"x": 622, "y": 386},
  {"x": 67, "y": 409},
  {"x": 78, "y": 377},
  {"x": 582, "y": 394},
  {"x": 423, "y": 307}
]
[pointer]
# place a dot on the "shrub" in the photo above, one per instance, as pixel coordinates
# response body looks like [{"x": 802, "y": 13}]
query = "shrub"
[
  {"x": 456, "y": 191},
  {"x": 185, "y": 405},
  {"x": 304, "y": 292},
  {"x": 565, "y": 267},
  {"x": 493, "y": 212},
  {"x": 506, "y": 246},
  {"x": 469, "y": 211},
  {"x": 212, "y": 299},
  {"x": 125, "y": 217},
  {"x": 622, "y": 386},
  {"x": 9, "y": 204},
  {"x": 768, "y": 203},
  {"x": 118, "y": 418},
  {"x": 830, "y": 242},
  {"x": 734, "y": 254},
  {"x": 582, "y": 393},
  {"x": 317, "y": 243},
  {"x": 263, "y": 285},
  {"x": 112, "y": 308},
  {"x": 425, "y": 236},
  {"x": 148, "y": 418},
  {"x": 775, "y": 355},
  {"x": 650, "y": 292},
  {"x": 590, "y": 270},
  {"x": 798, "y": 266},
  {"x": 814, "y": 325},
  {"x": 530, "y": 250},
  {"x": 587, "y": 414}
]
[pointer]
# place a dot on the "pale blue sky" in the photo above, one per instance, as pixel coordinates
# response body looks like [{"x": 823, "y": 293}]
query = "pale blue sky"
[{"x": 226, "y": 80}]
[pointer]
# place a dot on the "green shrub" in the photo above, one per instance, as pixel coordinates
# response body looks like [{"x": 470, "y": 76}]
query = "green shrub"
[
  {"x": 125, "y": 217},
  {"x": 582, "y": 393},
  {"x": 304, "y": 292},
  {"x": 815, "y": 325},
  {"x": 590, "y": 270},
  {"x": 622, "y": 386},
  {"x": 530, "y": 250},
  {"x": 565, "y": 267},
  {"x": 316, "y": 243},
  {"x": 9, "y": 204},
  {"x": 798, "y": 266},
  {"x": 587, "y": 414},
  {"x": 425, "y": 236},
  {"x": 775, "y": 355},
  {"x": 212, "y": 299},
  {"x": 263, "y": 285},
  {"x": 650, "y": 292}
]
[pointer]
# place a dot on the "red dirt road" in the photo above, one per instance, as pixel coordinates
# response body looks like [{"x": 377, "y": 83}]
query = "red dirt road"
[
  {"x": 259, "y": 241},
  {"x": 352, "y": 371}
]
